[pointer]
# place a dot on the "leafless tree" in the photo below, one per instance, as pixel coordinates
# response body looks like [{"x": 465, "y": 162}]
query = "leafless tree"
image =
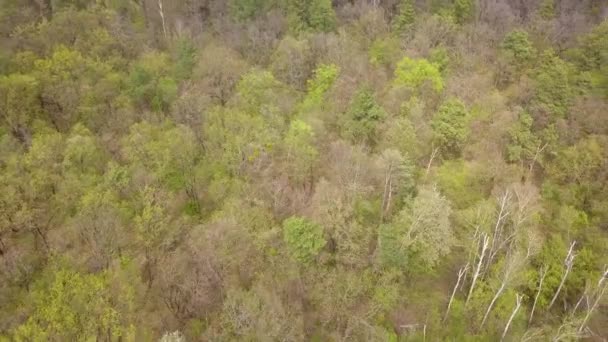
[
  {"x": 511, "y": 267},
  {"x": 485, "y": 243},
  {"x": 602, "y": 285},
  {"x": 568, "y": 263},
  {"x": 518, "y": 298},
  {"x": 461, "y": 274},
  {"x": 542, "y": 274}
]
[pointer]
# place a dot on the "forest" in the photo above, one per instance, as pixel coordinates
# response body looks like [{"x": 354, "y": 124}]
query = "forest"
[{"x": 303, "y": 170}]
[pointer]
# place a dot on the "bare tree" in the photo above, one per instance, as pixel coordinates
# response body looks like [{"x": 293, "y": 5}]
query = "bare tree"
[
  {"x": 485, "y": 243},
  {"x": 600, "y": 290},
  {"x": 162, "y": 17},
  {"x": 461, "y": 273},
  {"x": 543, "y": 274},
  {"x": 518, "y": 298},
  {"x": 568, "y": 263},
  {"x": 510, "y": 269},
  {"x": 428, "y": 166}
]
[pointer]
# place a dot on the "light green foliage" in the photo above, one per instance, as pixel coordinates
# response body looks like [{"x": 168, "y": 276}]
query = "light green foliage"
[
  {"x": 64, "y": 78},
  {"x": 82, "y": 154},
  {"x": 324, "y": 77},
  {"x": 401, "y": 135},
  {"x": 304, "y": 238},
  {"x": 152, "y": 223},
  {"x": 464, "y": 10},
  {"x": 384, "y": 51},
  {"x": 19, "y": 98},
  {"x": 518, "y": 46},
  {"x": 361, "y": 121},
  {"x": 406, "y": 17},
  {"x": 414, "y": 73},
  {"x": 579, "y": 163},
  {"x": 234, "y": 139},
  {"x": 554, "y": 85},
  {"x": 420, "y": 235},
  {"x": 547, "y": 9},
  {"x": 461, "y": 182},
  {"x": 150, "y": 82},
  {"x": 451, "y": 127},
  {"x": 169, "y": 152},
  {"x": 301, "y": 153},
  {"x": 440, "y": 58},
  {"x": 524, "y": 143},
  {"x": 68, "y": 305}
]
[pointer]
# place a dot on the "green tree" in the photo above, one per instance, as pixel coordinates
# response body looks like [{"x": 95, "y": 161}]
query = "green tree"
[
  {"x": 151, "y": 84},
  {"x": 361, "y": 121},
  {"x": 406, "y": 17},
  {"x": 518, "y": 46},
  {"x": 464, "y": 10},
  {"x": 20, "y": 105},
  {"x": 324, "y": 78},
  {"x": 523, "y": 143},
  {"x": 304, "y": 238},
  {"x": 414, "y": 73},
  {"x": 420, "y": 235},
  {"x": 451, "y": 127},
  {"x": 554, "y": 85},
  {"x": 301, "y": 154},
  {"x": 547, "y": 9},
  {"x": 68, "y": 305},
  {"x": 315, "y": 15}
]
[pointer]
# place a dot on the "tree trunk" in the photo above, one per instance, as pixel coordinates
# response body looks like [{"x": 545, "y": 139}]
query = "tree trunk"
[
  {"x": 517, "y": 306},
  {"x": 543, "y": 274},
  {"x": 569, "y": 261}
]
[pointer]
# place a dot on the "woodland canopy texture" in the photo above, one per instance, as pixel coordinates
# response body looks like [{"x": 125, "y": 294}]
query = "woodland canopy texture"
[{"x": 303, "y": 170}]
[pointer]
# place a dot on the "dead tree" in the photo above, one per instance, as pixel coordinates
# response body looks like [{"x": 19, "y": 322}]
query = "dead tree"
[
  {"x": 162, "y": 17},
  {"x": 428, "y": 166},
  {"x": 568, "y": 263},
  {"x": 518, "y": 298},
  {"x": 497, "y": 242},
  {"x": 510, "y": 269},
  {"x": 601, "y": 289},
  {"x": 543, "y": 274},
  {"x": 485, "y": 243},
  {"x": 461, "y": 273}
]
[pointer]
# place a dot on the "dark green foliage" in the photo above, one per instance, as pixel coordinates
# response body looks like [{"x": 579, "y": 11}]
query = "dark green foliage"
[
  {"x": 315, "y": 15},
  {"x": 406, "y": 17},
  {"x": 304, "y": 239},
  {"x": 517, "y": 44},
  {"x": 451, "y": 127},
  {"x": 363, "y": 117}
]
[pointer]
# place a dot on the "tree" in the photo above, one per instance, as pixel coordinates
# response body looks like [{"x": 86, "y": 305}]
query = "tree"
[
  {"x": 414, "y": 73},
  {"x": 304, "y": 239},
  {"x": 68, "y": 305},
  {"x": 406, "y": 17},
  {"x": 518, "y": 46},
  {"x": 315, "y": 15},
  {"x": 451, "y": 127},
  {"x": 301, "y": 154},
  {"x": 20, "y": 105},
  {"x": 464, "y": 10},
  {"x": 151, "y": 84},
  {"x": 363, "y": 117},
  {"x": 420, "y": 235},
  {"x": 554, "y": 86}
]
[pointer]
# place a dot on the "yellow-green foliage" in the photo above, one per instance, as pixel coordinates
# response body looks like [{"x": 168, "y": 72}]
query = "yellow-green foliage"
[{"x": 414, "y": 73}]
